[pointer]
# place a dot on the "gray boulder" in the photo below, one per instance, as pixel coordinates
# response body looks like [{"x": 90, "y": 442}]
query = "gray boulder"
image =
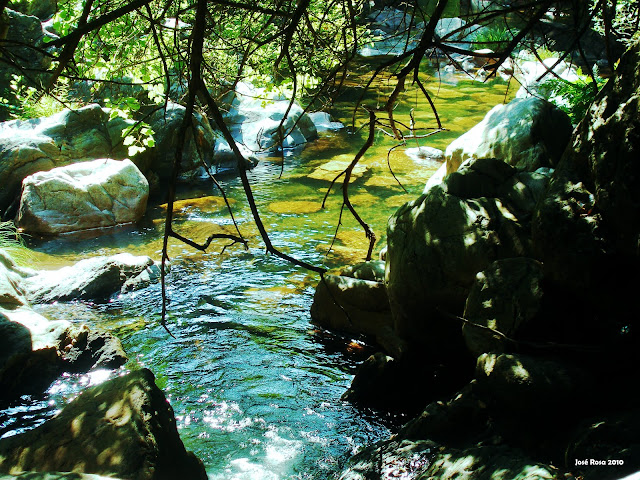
[
  {"x": 199, "y": 144},
  {"x": 529, "y": 73},
  {"x": 97, "y": 194},
  {"x": 505, "y": 297},
  {"x": 122, "y": 428},
  {"x": 94, "y": 278},
  {"x": 437, "y": 244},
  {"x": 31, "y": 146},
  {"x": 526, "y": 133}
]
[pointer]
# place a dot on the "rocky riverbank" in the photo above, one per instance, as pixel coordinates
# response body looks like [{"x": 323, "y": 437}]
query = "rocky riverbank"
[{"x": 509, "y": 306}]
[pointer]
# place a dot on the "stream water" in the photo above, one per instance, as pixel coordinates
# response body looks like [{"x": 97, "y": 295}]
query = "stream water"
[{"x": 255, "y": 386}]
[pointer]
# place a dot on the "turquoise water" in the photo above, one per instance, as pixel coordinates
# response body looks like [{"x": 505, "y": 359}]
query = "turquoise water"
[{"x": 254, "y": 385}]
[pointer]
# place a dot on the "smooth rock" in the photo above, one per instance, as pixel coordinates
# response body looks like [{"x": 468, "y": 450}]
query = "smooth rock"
[
  {"x": 532, "y": 76},
  {"x": 94, "y": 278},
  {"x": 97, "y": 194},
  {"x": 40, "y": 144},
  {"x": 526, "y": 133},
  {"x": 436, "y": 178},
  {"x": 199, "y": 144},
  {"x": 428, "y": 156},
  {"x": 122, "y": 428},
  {"x": 89, "y": 133},
  {"x": 323, "y": 122}
]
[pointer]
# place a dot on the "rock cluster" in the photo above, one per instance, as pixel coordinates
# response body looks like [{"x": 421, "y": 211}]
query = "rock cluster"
[
  {"x": 517, "y": 277},
  {"x": 35, "y": 350}
]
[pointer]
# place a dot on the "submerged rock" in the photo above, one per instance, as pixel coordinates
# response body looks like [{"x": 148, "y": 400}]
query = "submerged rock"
[
  {"x": 122, "y": 428},
  {"x": 98, "y": 194},
  {"x": 525, "y": 133},
  {"x": 94, "y": 278}
]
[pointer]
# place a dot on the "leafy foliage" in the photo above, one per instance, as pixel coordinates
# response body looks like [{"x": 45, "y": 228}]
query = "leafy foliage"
[{"x": 575, "y": 97}]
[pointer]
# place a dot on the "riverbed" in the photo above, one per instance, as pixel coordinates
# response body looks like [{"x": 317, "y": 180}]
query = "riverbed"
[{"x": 254, "y": 385}]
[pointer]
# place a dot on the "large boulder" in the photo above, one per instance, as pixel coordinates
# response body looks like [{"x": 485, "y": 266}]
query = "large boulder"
[
  {"x": 526, "y": 133},
  {"x": 440, "y": 241},
  {"x": 36, "y": 145},
  {"x": 81, "y": 196},
  {"x": 94, "y": 278},
  {"x": 122, "y": 428},
  {"x": 586, "y": 229},
  {"x": 534, "y": 75}
]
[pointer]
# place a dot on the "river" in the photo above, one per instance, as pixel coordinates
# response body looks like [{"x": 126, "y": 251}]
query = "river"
[{"x": 255, "y": 386}]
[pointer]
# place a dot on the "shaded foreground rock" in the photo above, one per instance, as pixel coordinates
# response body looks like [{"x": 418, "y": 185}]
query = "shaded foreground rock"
[
  {"x": 95, "y": 278},
  {"x": 122, "y": 428},
  {"x": 438, "y": 242},
  {"x": 97, "y": 194}
]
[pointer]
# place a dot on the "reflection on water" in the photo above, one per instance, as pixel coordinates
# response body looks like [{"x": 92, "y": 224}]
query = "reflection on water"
[{"x": 255, "y": 389}]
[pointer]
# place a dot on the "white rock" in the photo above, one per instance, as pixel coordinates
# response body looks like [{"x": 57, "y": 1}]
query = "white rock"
[
  {"x": 436, "y": 178},
  {"x": 526, "y": 133},
  {"x": 255, "y": 115},
  {"x": 100, "y": 193}
]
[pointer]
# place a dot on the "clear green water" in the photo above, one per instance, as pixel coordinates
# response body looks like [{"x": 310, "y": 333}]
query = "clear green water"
[{"x": 255, "y": 387}]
